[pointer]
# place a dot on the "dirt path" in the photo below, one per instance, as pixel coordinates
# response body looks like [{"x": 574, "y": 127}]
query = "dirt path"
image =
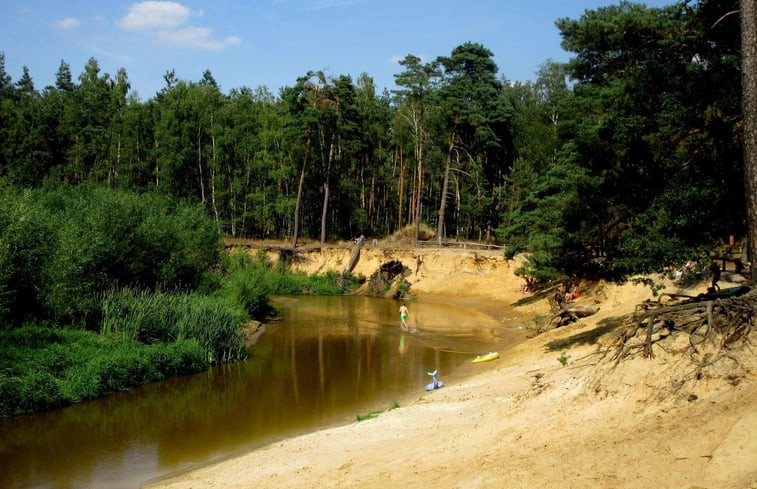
[{"x": 548, "y": 414}]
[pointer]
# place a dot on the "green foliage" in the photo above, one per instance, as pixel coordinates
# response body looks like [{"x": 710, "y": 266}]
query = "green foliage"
[
  {"x": 45, "y": 368},
  {"x": 214, "y": 322},
  {"x": 286, "y": 282},
  {"x": 647, "y": 165},
  {"x": 25, "y": 247},
  {"x": 552, "y": 220},
  {"x": 563, "y": 359},
  {"x": 61, "y": 247},
  {"x": 638, "y": 160},
  {"x": 246, "y": 281}
]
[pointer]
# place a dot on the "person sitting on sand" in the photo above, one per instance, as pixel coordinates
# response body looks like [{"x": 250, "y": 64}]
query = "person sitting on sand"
[{"x": 574, "y": 293}]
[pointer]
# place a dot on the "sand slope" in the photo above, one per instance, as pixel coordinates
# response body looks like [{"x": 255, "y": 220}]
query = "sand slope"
[{"x": 527, "y": 420}]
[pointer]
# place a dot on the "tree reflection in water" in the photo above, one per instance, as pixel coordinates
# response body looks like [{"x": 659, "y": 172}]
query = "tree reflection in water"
[{"x": 327, "y": 360}]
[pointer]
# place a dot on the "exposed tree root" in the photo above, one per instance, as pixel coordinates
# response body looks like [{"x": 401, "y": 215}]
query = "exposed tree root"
[{"x": 719, "y": 320}]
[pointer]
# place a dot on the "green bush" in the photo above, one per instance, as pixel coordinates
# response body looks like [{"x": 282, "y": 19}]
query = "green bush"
[
  {"x": 45, "y": 368},
  {"x": 285, "y": 281},
  {"x": 25, "y": 246},
  {"x": 60, "y": 247},
  {"x": 171, "y": 305},
  {"x": 247, "y": 281}
]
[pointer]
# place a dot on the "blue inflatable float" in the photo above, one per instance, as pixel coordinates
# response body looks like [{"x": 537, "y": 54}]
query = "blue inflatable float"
[{"x": 436, "y": 384}]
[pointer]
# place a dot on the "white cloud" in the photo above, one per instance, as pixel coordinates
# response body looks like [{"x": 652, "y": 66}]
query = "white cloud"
[
  {"x": 67, "y": 23},
  {"x": 166, "y": 21},
  {"x": 155, "y": 14},
  {"x": 194, "y": 37},
  {"x": 327, "y": 4}
]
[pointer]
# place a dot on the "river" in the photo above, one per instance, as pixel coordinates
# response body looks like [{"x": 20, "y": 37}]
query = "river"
[{"x": 327, "y": 361}]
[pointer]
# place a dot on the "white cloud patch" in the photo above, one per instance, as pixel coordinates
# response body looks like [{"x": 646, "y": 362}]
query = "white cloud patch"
[
  {"x": 68, "y": 23},
  {"x": 190, "y": 37},
  {"x": 153, "y": 14},
  {"x": 168, "y": 23},
  {"x": 328, "y": 4}
]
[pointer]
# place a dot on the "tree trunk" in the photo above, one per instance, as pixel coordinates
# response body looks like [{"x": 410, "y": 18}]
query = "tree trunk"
[
  {"x": 324, "y": 213},
  {"x": 299, "y": 194},
  {"x": 418, "y": 207},
  {"x": 232, "y": 201},
  {"x": 213, "y": 183},
  {"x": 199, "y": 163},
  {"x": 373, "y": 218},
  {"x": 401, "y": 189},
  {"x": 297, "y": 206},
  {"x": 749, "y": 105},
  {"x": 445, "y": 186},
  {"x": 327, "y": 172}
]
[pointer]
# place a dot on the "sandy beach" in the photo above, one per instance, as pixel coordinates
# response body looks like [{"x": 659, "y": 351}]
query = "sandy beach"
[{"x": 552, "y": 412}]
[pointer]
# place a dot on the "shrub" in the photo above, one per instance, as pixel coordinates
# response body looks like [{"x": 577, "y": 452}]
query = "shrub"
[
  {"x": 247, "y": 281},
  {"x": 60, "y": 247},
  {"x": 45, "y": 368}
]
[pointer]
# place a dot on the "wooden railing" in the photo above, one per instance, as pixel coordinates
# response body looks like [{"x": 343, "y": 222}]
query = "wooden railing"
[{"x": 461, "y": 244}]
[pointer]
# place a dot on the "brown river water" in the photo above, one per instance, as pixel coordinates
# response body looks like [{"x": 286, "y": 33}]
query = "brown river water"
[{"x": 328, "y": 360}]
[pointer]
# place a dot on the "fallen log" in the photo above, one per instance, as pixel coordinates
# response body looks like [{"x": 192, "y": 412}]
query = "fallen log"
[
  {"x": 354, "y": 257},
  {"x": 569, "y": 312},
  {"x": 580, "y": 311}
]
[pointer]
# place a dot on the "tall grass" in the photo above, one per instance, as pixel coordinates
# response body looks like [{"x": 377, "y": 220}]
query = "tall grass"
[
  {"x": 215, "y": 322},
  {"x": 45, "y": 368}
]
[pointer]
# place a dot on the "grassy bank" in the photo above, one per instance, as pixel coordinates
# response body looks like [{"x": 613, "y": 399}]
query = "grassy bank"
[
  {"x": 101, "y": 291},
  {"x": 145, "y": 336}
]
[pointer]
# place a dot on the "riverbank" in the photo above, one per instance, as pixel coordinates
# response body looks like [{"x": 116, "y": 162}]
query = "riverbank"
[{"x": 552, "y": 412}]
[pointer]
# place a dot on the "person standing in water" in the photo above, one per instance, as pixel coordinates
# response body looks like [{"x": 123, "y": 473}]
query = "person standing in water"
[{"x": 403, "y": 315}]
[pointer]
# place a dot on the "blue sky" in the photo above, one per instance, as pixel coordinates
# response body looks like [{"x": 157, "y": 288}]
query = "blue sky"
[{"x": 272, "y": 42}]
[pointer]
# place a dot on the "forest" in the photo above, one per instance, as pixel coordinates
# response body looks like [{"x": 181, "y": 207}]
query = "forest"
[
  {"x": 631, "y": 150},
  {"x": 630, "y": 154}
]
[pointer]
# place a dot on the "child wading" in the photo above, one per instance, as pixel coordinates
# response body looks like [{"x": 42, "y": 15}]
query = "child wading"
[{"x": 403, "y": 315}]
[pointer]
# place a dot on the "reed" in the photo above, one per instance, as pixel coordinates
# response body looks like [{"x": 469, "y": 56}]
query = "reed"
[{"x": 215, "y": 322}]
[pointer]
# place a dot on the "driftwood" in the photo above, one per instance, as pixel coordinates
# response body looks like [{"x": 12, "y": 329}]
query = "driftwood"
[
  {"x": 355, "y": 256},
  {"x": 566, "y": 312}
]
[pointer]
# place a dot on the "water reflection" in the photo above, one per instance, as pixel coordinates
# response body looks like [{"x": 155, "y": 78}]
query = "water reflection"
[{"x": 329, "y": 359}]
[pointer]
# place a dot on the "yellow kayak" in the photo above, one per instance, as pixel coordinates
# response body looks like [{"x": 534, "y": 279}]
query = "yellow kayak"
[{"x": 492, "y": 355}]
